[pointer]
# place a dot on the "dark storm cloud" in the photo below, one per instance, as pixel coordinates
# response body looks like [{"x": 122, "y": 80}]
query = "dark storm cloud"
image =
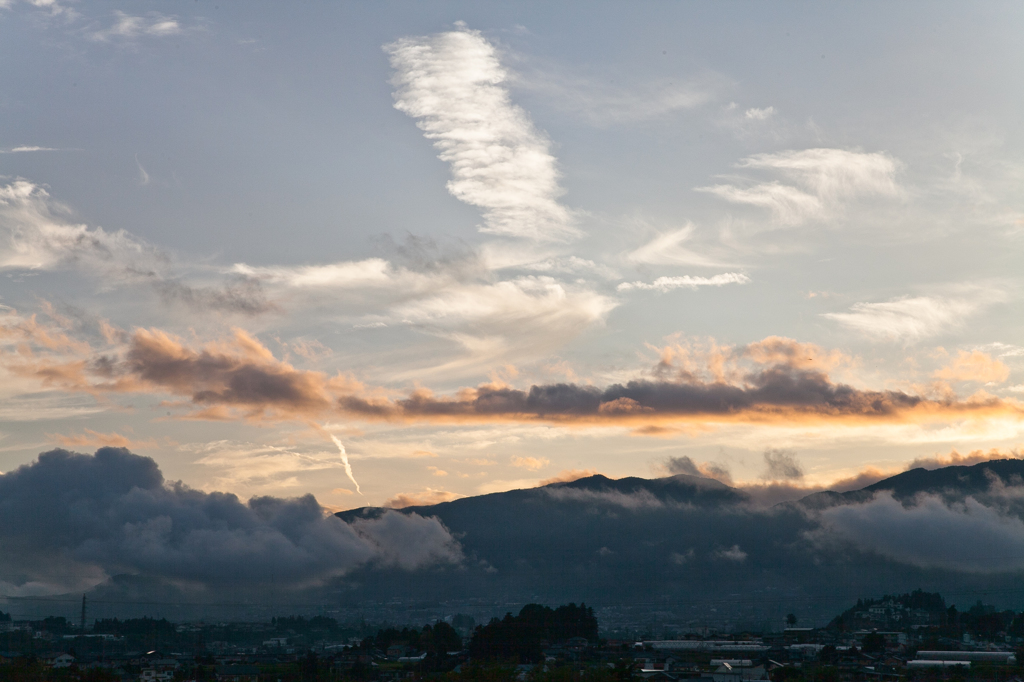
[
  {"x": 114, "y": 512},
  {"x": 774, "y": 390},
  {"x": 243, "y": 374},
  {"x": 239, "y": 377}
]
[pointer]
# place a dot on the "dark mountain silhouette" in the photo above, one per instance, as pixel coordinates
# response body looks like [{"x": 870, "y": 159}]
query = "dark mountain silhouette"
[
  {"x": 952, "y": 483},
  {"x": 685, "y": 541}
]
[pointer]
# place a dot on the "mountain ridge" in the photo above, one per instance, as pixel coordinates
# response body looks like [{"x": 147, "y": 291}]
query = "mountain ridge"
[{"x": 954, "y": 482}]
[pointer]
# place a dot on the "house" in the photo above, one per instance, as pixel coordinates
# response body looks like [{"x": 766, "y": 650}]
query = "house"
[
  {"x": 397, "y": 651},
  {"x": 63, "y": 661}
]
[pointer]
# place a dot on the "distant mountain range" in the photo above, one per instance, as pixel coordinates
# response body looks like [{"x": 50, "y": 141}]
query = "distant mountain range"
[{"x": 692, "y": 544}]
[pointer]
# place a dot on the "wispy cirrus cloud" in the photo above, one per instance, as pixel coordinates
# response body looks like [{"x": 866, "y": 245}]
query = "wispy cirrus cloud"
[
  {"x": 454, "y": 85},
  {"x": 670, "y": 248},
  {"x": 815, "y": 182},
  {"x": 600, "y": 104},
  {"x": 37, "y": 233},
  {"x": 913, "y": 318}
]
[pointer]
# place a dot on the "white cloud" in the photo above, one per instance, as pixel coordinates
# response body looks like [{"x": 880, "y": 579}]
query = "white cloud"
[
  {"x": 601, "y": 104},
  {"x": 664, "y": 284},
  {"x": 453, "y": 84},
  {"x": 668, "y": 249},
  {"x": 128, "y": 27},
  {"x": 967, "y": 537},
  {"x": 818, "y": 182},
  {"x": 833, "y": 172},
  {"x": 789, "y": 204},
  {"x": 536, "y": 302},
  {"x": 33, "y": 236},
  {"x": 28, "y": 148},
  {"x": 372, "y": 272},
  {"x": 1003, "y": 350},
  {"x": 759, "y": 114},
  {"x": 734, "y": 553},
  {"x": 571, "y": 265},
  {"x": 909, "y": 319}
]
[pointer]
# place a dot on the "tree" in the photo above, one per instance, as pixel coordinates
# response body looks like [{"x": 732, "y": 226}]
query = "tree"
[
  {"x": 791, "y": 620},
  {"x": 874, "y": 643}
]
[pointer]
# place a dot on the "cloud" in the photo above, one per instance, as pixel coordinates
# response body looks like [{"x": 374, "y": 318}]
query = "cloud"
[
  {"x": 568, "y": 476},
  {"x": 409, "y": 541},
  {"x": 733, "y": 553},
  {"x": 954, "y": 458},
  {"x": 128, "y": 27},
  {"x": 244, "y": 296},
  {"x": 531, "y": 463},
  {"x": 35, "y": 236},
  {"x": 974, "y": 366},
  {"x": 862, "y": 479},
  {"x": 668, "y": 248},
  {"x": 252, "y": 466},
  {"x": 601, "y": 104},
  {"x": 454, "y": 85},
  {"x": 686, "y": 465},
  {"x": 781, "y": 465},
  {"x": 817, "y": 182},
  {"x": 110, "y": 513},
  {"x": 90, "y": 438},
  {"x": 664, "y": 284},
  {"x": 634, "y": 501},
  {"x": 505, "y": 321},
  {"x": 769, "y": 394},
  {"x": 368, "y": 273},
  {"x": 967, "y": 537},
  {"x": 755, "y": 114},
  {"x": 424, "y": 498},
  {"x": 910, "y": 319},
  {"x": 29, "y": 148},
  {"x": 491, "y": 321},
  {"x": 239, "y": 372},
  {"x": 774, "y": 381}
]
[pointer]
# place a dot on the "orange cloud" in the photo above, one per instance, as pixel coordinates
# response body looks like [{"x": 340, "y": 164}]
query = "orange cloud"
[
  {"x": 531, "y": 463},
  {"x": 774, "y": 381},
  {"x": 96, "y": 439},
  {"x": 974, "y": 366},
  {"x": 568, "y": 476},
  {"x": 421, "y": 499},
  {"x": 954, "y": 458}
]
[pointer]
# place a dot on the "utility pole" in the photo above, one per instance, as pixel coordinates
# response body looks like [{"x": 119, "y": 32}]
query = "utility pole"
[{"x": 83, "y": 614}]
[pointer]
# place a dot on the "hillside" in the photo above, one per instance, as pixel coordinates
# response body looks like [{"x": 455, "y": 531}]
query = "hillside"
[{"x": 677, "y": 540}]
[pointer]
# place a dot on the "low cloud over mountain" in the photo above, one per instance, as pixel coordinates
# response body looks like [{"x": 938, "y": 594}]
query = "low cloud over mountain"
[
  {"x": 111, "y": 523},
  {"x": 69, "y": 521}
]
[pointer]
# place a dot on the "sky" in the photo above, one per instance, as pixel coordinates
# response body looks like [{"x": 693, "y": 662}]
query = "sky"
[{"x": 396, "y": 253}]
